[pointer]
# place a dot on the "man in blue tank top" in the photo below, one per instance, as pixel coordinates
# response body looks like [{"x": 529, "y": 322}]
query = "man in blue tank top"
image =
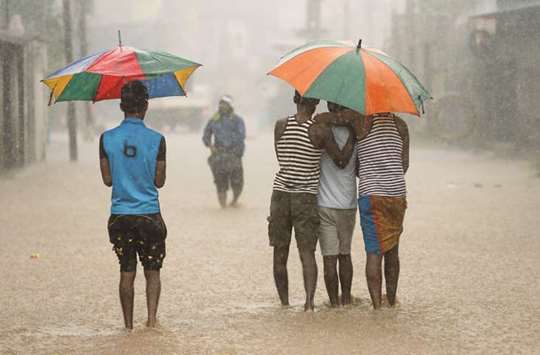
[{"x": 132, "y": 161}]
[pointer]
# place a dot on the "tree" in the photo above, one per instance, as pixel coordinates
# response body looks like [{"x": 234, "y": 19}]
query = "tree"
[{"x": 71, "y": 113}]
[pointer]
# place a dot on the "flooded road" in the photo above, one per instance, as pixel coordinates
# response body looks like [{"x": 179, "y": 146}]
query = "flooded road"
[{"x": 469, "y": 254}]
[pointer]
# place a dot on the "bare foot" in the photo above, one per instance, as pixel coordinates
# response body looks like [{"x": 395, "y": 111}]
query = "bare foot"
[
  {"x": 386, "y": 302},
  {"x": 127, "y": 331},
  {"x": 309, "y": 307},
  {"x": 345, "y": 299},
  {"x": 152, "y": 324},
  {"x": 330, "y": 305}
]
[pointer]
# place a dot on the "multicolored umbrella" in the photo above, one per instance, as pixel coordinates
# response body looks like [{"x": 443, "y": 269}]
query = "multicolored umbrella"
[
  {"x": 101, "y": 76},
  {"x": 362, "y": 79}
]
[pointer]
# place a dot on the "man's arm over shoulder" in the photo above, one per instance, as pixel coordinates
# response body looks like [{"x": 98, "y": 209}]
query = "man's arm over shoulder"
[
  {"x": 322, "y": 137},
  {"x": 404, "y": 133},
  {"x": 319, "y": 134},
  {"x": 161, "y": 165},
  {"x": 104, "y": 164},
  {"x": 346, "y": 153},
  {"x": 360, "y": 124}
]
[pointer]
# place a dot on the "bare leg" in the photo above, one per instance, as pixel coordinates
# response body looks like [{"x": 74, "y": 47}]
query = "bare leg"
[
  {"x": 391, "y": 273},
  {"x": 281, "y": 277},
  {"x": 237, "y": 184},
  {"x": 127, "y": 294},
  {"x": 236, "y": 195},
  {"x": 345, "y": 278},
  {"x": 331, "y": 279},
  {"x": 153, "y": 291},
  {"x": 374, "y": 278},
  {"x": 309, "y": 268},
  {"x": 222, "y": 198}
]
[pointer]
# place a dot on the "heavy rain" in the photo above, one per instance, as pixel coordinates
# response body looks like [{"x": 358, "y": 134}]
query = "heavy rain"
[{"x": 469, "y": 240}]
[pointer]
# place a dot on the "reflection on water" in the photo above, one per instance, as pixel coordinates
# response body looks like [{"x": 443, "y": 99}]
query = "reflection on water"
[{"x": 469, "y": 256}]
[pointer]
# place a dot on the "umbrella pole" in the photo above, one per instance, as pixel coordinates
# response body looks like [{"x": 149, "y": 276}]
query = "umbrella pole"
[{"x": 119, "y": 39}]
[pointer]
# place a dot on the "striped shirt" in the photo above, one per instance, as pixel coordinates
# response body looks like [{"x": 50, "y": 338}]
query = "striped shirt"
[
  {"x": 298, "y": 158},
  {"x": 380, "y": 161}
]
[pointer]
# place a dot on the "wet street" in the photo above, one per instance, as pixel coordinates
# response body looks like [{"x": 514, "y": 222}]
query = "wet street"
[{"x": 469, "y": 264}]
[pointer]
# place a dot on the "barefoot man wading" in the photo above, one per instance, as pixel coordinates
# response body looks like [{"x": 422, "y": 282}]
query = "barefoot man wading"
[
  {"x": 132, "y": 161},
  {"x": 337, "y": 209},
  {"x": 383, "y": 160},
  {"x": 298, "y": 141}
]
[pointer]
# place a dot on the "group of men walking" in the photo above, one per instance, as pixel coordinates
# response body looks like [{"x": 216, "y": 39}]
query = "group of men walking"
[{"x": 314, "y": 193}]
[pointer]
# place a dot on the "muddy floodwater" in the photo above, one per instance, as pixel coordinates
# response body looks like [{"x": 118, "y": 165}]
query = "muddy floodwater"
[{"x": 470, "y": 260}]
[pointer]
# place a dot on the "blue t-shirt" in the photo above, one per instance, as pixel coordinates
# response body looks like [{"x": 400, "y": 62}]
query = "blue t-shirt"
[{"x": 132, "y": 150}]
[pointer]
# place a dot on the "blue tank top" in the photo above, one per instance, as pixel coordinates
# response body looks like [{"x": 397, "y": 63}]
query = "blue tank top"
[{"x": 132, "y": 150}]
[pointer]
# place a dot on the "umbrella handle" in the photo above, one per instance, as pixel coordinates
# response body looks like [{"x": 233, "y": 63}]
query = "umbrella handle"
[
  {"x": 359, "y": 45},
  {"x": 119, "y": 39}
]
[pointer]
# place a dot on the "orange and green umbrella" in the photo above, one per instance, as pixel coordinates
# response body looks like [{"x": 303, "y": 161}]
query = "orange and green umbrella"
[
  {"x": 101, "y": 76},
  {"x": 362, "y": 79}
]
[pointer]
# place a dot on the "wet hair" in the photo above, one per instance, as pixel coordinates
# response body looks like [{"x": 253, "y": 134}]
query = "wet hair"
[
  {"x": 299, "y": 99},
  {"x": 134, "y": 97}
]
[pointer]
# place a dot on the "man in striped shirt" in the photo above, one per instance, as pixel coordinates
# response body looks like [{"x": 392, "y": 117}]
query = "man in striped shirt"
[
  {"x": 298, "y": 142},
  {"x": 383, "y": 160}
]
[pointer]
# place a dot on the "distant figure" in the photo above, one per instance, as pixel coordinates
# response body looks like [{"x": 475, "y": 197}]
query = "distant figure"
[
  {"x": 383, "y": 160},
  {"x": 227, "y": 148},
  {"x": 298, "y": 142},
  {"x": 337, "y": 210},
  {"x": 135, "y": 155}
]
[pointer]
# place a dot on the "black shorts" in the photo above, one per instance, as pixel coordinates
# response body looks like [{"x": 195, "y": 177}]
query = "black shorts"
[{"x": 138, "y": 234}]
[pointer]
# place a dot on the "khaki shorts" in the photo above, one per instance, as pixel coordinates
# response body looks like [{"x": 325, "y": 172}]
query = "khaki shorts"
[
  {"x": 336, "y": 230},
  {"x": 293, "y": 210}
]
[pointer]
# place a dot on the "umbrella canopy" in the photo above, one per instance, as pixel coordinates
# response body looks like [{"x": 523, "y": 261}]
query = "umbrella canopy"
[
  {"x": 101, "y": 76},
  {"x": 362, "y": 79}
]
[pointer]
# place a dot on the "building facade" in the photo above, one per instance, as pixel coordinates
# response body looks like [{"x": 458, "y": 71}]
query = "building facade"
[
  {"x": 478, "y": 60},
  {"x": 23, "y": 120}
]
